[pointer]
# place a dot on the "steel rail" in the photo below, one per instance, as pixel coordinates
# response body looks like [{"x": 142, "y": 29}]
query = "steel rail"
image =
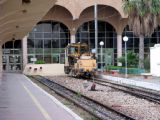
[
  {"x": 138, "y": 92},
  {"x": 94, "y": 107}
]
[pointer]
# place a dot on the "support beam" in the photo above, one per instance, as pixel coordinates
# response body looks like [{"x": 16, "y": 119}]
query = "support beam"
[
  {"x": 73, "y": 38},
  {"x": 96, "y": 29},
  {"x": 1, "y": 63},
  {"x": 119, "y": 48},
  {"x": 24, "y": 47}
]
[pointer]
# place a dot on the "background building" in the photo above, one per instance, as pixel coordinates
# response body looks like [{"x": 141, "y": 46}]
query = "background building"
[{"x": 73, "y": 21}]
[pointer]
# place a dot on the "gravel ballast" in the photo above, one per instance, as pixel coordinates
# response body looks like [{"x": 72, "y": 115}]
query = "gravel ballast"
[{"x": 138, "y": 108}]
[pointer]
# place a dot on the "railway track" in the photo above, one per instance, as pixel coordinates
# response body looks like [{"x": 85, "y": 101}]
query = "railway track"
[
  {"x": 97, "y": 109},
  {"x": 138, "y": 92}
]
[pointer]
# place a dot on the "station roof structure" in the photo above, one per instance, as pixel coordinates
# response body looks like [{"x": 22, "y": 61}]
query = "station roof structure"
[{"x": 18, "y": 17}]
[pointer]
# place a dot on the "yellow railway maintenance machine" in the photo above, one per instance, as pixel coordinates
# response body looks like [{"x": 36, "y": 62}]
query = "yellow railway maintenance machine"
[{"x": 79, "y": 61}]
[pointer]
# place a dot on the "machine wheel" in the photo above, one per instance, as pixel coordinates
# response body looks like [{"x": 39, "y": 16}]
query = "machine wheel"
[
  {"x": 67, "y": 69},
  {"x": 71, "y": 73}
]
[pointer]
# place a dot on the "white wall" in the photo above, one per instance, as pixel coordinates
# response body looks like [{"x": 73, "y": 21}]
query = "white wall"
[
  {"x": 47, "y": 69},
  {"x": 155, "y": 60}
]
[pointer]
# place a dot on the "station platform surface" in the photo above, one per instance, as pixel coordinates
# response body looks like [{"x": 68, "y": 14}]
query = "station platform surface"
[
  {"x": 21, "y": 99},
  {"x": 152, "y": 83}
]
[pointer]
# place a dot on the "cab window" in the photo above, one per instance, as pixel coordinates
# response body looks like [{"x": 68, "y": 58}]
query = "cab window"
[
  {"x": 73, "y": 50},
  {"x": 84, "y": 50}
]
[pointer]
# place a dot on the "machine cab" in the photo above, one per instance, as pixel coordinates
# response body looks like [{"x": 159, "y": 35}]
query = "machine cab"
[{"x": 74, "y": 51}]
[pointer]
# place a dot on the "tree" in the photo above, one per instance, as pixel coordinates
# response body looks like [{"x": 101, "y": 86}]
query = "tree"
[
  {"x": 132, "y": 59},
  {"x": 142, "y": 20}
]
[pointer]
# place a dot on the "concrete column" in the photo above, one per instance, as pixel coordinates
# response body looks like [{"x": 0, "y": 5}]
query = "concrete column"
[
  {"x": 1, "y": 64},
  {"x": 119, "y": 47},
  {"x": 24, "y": 47},
  {"x": 73, "y": 38}
]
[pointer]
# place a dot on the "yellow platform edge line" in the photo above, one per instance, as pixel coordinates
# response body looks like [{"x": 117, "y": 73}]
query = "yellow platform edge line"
[{"x": 36, "y": 102}]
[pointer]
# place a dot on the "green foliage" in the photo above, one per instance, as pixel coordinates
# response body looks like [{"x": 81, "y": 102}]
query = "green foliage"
[
  {"x": 67, "y": 103},
  {"x": 131, "y": 71},
  {"x": 132, "y": 59},
  {"x": 142, "y": 6},
  {"x": 40, "y": 62},
  {"x": 93, "y": 118},
  {"x": 147, "y": 64},
  {"x": 155, "y": 9},
  {"x": 142, "y": 15},
  {"x": 79, "y": 94},
  {"x": 111, "y": 67},
  {"x": 138, "y": 6}
]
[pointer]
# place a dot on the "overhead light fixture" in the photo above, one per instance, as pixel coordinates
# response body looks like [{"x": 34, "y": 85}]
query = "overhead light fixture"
[
  {"x": 26, "y": 1},
  {"x": 13, "y": 35},
  {"x": 13, "y": 39},
  {"x": 17, "y": 26},
  {"x": 24, "y": 11}
]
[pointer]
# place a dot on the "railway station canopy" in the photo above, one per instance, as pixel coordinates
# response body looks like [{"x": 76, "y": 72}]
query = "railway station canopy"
[{"x": 18, "y": 17}]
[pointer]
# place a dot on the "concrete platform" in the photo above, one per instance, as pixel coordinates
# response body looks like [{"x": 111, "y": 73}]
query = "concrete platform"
[
  {"x": 153, "y": 84},
  {"x": 21, "y": 99}
]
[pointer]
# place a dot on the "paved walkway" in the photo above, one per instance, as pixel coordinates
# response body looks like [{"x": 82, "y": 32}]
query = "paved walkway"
[
  {"x": 20, "y": 99},
  {"x": 152, "y": 83}
]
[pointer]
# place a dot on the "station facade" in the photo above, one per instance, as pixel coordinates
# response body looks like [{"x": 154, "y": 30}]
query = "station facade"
[{"x": 70, "y": 22}]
